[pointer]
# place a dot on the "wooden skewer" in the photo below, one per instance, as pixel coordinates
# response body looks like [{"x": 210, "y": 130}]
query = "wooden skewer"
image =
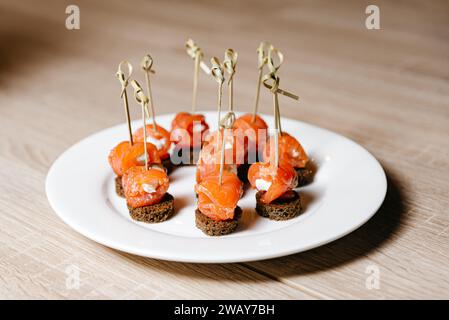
[
  {"x": 218, "y": 73},
  {"x": 226, "y": 124},
  {"x": 197, "y": 55},
  {"x": 146, "y": 65},
  {"x": 274, "y": 88},
  {"x": 142, "y": 99},
  {"x": 229, "y": 63},
  {"x": 124, "y": 82},
  {"x": 262, "y": 61}
]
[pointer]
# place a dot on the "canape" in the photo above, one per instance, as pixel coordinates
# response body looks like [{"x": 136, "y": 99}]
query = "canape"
[
  {"x": 209, "y": 156},
  {"x": 217, "y": 213},
  {"x": 254, "y": 131},
  {"x": 146, "y": 194},
  {"x": 187, "y": 131},
  {"x": 160, "y": 137},
  {"x": 275, "y": 198},
  {"x": 291, "y": 151},
  {"x": 124, "y": 156}
]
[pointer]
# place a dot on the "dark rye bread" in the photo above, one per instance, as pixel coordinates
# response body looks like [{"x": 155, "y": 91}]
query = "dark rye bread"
[
  {"x": 119, "y": 187},
  {"x": 305, "y": 176},
  {"x": 215, "y": 227},
  {"x": 154, "y": 213},
  {"x": 279, "y": 209}
]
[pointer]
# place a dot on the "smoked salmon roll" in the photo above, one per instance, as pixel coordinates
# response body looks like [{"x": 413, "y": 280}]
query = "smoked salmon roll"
[
  {"x": 187, "y": 131},
  {"x": 146, "y": 194},
  {"x": 210, "y": 155},
  {"x": 161, "y": 140},
  {"x": 124, "y": 156},
  {"x": 292, "y": 152},
  {"x": 255, "y": 135},
  {"x": 275, "y": 198},
  {"x": 217, "y": 213}
]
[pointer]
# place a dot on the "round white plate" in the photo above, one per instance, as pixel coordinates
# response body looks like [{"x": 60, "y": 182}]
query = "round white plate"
[{"x": 348, "y": 188}]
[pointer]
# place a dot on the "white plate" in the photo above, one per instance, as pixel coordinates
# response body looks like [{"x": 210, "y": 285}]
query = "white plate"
[{"x": 348, "y": 188}]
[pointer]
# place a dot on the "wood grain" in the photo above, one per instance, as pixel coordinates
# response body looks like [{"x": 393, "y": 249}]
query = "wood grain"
[{"x": 386, "y": 89}]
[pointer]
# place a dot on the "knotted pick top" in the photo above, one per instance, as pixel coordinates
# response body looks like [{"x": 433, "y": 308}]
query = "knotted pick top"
[
  {"x": 217, "y": 70},
  {"x": 227, "y": 122},
  {"x": 271, "y": 79},
  {"x": 147, "y": 63},
  {"x": 195, "y": 52},
  {"x": 138, "y": 93},
  {"x": 262, "y": 54},
  {"x": 122, "y": 77},
  {"x": 230, "y": 62}
]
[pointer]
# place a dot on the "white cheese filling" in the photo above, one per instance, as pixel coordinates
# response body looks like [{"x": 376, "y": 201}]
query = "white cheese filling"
[
  {"x": 141, "y": 158},
  {"x": 294, "y": 153},
  {"x": 159, "y": 143},
  {"x": 148, "y": 188},
  {"x": 262, "y": 184}
]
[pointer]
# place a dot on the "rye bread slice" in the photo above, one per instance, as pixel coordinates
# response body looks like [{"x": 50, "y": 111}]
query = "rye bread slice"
[
  {"x": 215, "y": 227},
  {"x": 119, "y": 187},
  {"x": 154, "y": 213},
  {"x": 279, "y": 209}
]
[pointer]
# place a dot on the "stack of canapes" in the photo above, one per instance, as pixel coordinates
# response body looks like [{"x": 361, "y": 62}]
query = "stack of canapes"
[
  {"x": 140, "y": 176},
  {"x": 275, "y": 177}
]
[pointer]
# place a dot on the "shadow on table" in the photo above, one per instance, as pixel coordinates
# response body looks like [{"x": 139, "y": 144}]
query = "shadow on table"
[{"x": 376, "y": 233}]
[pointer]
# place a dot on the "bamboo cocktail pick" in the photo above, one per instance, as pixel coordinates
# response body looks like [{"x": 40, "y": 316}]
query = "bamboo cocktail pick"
[
  {"x": 196, "y": 53},
  {"x": 142, "y": 99},
  {"x": 218, "y": 73},
  {"x": 229, "y": 63},
  {"x": 271, "y": 82},
  {"x": 262, "y": 59},
  {"x": 146, "y": 64},
  {"x": 124, "y": 81},
  {"x": 226, "y": 124}
]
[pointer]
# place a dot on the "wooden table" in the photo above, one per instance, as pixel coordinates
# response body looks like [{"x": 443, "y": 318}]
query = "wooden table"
[{"x": 386, "y": 89}]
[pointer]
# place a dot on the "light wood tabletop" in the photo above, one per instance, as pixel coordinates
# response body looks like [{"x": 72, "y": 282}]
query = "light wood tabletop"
[{"x": 386, "y": 89}]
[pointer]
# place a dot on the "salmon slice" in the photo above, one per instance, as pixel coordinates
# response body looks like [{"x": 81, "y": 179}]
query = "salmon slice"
[
  {"x": 290, "y": 150},
  {"x": 144, "y": 187},
  {"x": 125, "y": 156},
  {"x": 183, "y": 127},
  {"x": 159, "y": 137},
  {"x": 116, "y": 155},
  {"x": 276, "y": 181},
  {"x": 210, "y": 157},
  {"x": 255, "y": 133},
  {"x": 216, "y": 201}
]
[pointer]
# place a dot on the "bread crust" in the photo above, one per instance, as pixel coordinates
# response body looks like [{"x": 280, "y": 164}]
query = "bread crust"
[
  {"x": 119, "y": 187},
  {"x": 154, "y": 213},
  {"x": 217, "y": 227}
]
